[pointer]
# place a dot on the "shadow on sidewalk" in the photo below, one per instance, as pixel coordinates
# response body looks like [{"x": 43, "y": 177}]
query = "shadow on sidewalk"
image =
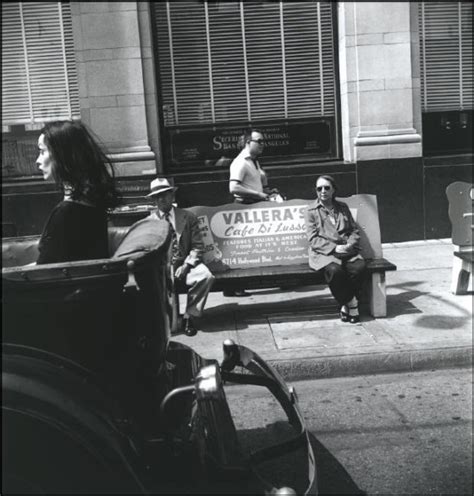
[
  {"x": 400, "y": 304},
  {"x": 282, "y": 304},
  {"x": 241, "y": 314},
  {"x": 445, "y": 322},
  {"x": 301, "y": 302}
]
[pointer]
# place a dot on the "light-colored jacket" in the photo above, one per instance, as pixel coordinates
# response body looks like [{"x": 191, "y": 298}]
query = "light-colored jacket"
[{"x": 324, "y": 235}]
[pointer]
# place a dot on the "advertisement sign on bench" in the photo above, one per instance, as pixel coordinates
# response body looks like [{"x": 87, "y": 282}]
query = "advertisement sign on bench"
[
  {"x": 244, "y": 236},
  {"x": 262, "y": 234}
]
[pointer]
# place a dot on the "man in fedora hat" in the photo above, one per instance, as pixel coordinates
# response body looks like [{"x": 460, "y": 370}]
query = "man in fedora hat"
[{"x": 187, "y": 251}]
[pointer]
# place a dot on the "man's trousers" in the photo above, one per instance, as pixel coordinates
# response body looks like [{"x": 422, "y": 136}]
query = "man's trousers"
[{"x": 199, "y": 281}]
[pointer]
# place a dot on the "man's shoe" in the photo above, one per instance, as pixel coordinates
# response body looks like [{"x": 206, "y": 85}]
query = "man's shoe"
[
  {"x": 188, "y": 327},
  {"x": 235, "y": 292}
]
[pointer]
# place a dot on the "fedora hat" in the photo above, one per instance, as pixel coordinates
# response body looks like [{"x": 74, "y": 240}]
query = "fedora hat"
[{"x": 160, "y": 185}]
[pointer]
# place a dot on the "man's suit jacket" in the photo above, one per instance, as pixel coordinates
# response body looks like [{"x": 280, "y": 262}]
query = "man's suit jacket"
[{"x": 191, "y": 245}]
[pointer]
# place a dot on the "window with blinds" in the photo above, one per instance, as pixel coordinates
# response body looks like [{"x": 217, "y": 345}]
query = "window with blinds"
[
  {"x": 445, "y": 30},
  {"x": 39, "y": 79},
  {"x": 446, "y": 55},
  {"x": 245, "y": 61}
]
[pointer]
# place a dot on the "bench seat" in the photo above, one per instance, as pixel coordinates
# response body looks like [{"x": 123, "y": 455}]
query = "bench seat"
[
  {"x": 267, "y": 277},
  {"x": 300, "y": 275},
  {"x": 264, "y": 245}
]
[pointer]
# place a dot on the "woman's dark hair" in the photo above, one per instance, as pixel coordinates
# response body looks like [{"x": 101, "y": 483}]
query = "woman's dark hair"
[
  {"x": 330, "y": 179},
  {"x": 80, "y": 163}
]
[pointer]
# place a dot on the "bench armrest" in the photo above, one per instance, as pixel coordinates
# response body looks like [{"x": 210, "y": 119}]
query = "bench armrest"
[
  {"x": 380, "y": 265},
  {"x": 467, "y": 256}
]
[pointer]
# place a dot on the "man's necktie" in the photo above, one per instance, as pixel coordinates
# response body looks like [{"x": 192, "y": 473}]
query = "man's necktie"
[{"x": 174, "y": 240}]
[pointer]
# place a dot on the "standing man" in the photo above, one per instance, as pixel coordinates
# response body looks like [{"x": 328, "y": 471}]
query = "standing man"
[
  {"x": 248, "y": 181},
  {"x": 187, "y": 251}
]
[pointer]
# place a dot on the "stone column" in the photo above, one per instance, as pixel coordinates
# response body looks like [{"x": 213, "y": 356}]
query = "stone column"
[
  {"x": 109, "y": 60},
  {"x": 378, "y": 86}
]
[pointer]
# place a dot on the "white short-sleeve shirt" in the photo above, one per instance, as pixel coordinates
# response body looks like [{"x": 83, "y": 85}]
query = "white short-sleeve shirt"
[{"x": 247, "y": 172}]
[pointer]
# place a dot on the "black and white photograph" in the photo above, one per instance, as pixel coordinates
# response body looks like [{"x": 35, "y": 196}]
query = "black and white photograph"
[{"x": 237, "y": 247}]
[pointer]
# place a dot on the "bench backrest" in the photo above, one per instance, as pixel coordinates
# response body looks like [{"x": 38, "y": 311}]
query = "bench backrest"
[
  {"x": 461, "y": 199},
  {"x": 273, "y": 234},
  {"x": 24, "y": 249}
]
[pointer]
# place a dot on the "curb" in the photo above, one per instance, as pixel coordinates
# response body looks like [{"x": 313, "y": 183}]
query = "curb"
[{"x": 372, "y": 363}]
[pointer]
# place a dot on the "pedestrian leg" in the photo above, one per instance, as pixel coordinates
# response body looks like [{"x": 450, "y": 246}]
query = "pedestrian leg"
[{"x": 199, "y": 280}]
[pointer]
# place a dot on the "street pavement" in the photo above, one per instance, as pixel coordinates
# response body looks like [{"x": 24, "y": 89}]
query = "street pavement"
[
  {"x": 388, "y": 434},
  {"x": 298, "y": 330}
]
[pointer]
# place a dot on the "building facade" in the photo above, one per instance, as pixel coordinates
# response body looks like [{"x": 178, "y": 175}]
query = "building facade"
[{"x": 378, "y": 94}]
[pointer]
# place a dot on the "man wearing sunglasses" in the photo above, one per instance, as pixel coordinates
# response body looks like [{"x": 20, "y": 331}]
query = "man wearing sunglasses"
[{"x": 248, "y": 182}]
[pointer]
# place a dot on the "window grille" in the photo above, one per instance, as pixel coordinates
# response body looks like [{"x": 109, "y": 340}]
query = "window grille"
[
  {"x": 39, "y": 78},
  {"x": 446, "y": 55},
  {"x": 245, "y": 61}
]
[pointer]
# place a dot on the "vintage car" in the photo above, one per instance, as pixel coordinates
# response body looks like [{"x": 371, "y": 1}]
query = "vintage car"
[{"x": 98, "y": 399}]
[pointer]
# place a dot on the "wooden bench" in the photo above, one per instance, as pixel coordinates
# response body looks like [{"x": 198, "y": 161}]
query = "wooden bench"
[
  {"x": 264, "y": 245},
  {"x": 461, "y": 198}
]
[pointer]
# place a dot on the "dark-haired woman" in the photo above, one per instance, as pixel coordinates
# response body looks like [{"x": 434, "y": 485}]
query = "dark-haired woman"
[
  {"x": 77, "y": 227},
  {"x": 334, "y": 247}
]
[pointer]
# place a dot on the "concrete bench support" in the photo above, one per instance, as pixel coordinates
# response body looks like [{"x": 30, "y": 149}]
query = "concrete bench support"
[
  {"x": 461, "y": 273},
  {"x": 378, "y": 295}
]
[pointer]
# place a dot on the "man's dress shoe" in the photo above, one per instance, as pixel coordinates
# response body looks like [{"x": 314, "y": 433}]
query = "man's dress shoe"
[{"x": 188, "y": 327}]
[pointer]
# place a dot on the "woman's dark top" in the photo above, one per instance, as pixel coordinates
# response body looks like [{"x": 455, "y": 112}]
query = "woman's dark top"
[{"x": 74, "y": 231}]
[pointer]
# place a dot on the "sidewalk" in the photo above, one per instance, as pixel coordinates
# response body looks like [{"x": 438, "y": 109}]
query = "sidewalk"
[{"x": 302, "y": 337}]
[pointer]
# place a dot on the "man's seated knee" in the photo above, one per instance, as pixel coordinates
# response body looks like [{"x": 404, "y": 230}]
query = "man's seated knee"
[{"x": 206, "y": 274}]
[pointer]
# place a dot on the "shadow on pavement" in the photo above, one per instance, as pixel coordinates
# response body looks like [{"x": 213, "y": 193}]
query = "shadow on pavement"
[
  {"x": 400, "y": 304},
  {"x": 445, "y": 322},
  {"x": 295, "y": 288},
  {"x": 249, "y": 307},
  {"x": 289, "y": 470},
  {"x": 333, "y": 478}
]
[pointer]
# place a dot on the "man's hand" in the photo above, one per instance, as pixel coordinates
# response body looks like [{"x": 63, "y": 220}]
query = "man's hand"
[
  {"x": 270, "y": 191},
  {"x": 182, "y": 271},
  {"x": 342, "y": 249}
]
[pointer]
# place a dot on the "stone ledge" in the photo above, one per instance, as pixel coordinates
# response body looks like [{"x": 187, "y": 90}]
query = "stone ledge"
[
  {"x": 135, "y": 168},
  {"x": 384, "y": 138}
]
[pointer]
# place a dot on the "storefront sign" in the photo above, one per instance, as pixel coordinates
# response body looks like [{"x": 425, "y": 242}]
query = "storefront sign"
[{"x": 217, "y": 146}]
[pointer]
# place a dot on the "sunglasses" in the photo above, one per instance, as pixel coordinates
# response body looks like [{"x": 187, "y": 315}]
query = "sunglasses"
[
  {"x": 259, "y": 141},
  {"x": 326, "y": 188}
]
